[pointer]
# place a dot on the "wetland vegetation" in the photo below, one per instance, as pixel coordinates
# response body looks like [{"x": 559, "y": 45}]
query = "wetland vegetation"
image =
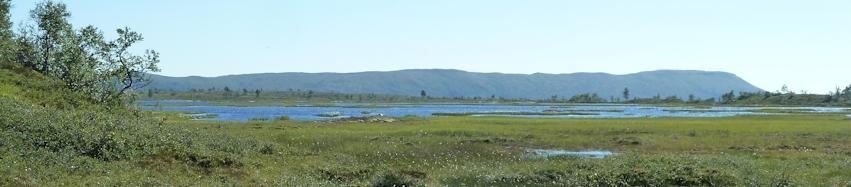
[{"x": 68, "y": 117}]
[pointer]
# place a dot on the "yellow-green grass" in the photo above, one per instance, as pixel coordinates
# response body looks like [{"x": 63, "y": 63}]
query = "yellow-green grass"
[{"x": 749, "y": 150}]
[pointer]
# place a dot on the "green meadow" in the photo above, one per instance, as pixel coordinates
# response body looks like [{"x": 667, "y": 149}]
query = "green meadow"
[
  {"x": 52, "y": 137},
  {"x": 781, "y": 150},
  {"x": 773, "y": 150}
]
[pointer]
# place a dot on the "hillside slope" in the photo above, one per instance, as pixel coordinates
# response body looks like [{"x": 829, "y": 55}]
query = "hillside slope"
[
  {"x": 452, "y": 83},
  {"x": 51, "y": 136}
]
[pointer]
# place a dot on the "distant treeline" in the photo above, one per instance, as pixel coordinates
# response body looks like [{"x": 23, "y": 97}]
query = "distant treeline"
[
  {"x": 298, "y": 95},
  {"x": 841, "y": 97}
]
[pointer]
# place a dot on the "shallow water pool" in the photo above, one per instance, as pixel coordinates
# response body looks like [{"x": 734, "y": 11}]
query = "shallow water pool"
[
  {"x": 554, "y": 153},
  {"x": 308, "y": 113}
]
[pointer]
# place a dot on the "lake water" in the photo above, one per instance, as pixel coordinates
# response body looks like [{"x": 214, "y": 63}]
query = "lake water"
[
  {"x": 235, "y": 113},
  {"x": 553, "y": 153}
]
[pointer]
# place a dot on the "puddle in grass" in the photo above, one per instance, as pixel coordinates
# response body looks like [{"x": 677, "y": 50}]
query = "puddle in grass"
[{"x": 554, "y": 153}]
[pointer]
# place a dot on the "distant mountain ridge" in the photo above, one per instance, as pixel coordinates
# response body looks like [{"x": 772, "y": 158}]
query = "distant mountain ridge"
[{"x": 454, "y": 83}]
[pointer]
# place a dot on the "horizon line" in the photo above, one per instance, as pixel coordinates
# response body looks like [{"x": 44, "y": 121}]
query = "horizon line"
[{"x": 445, "y": 69}]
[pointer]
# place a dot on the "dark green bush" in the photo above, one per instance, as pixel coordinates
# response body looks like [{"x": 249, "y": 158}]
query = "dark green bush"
[
  {"x": 110, "y": 137},
  {"x": 690, "y": 176},
  {"x": 269, "y": 149},
  {"x": 258, "y": 119},
  {"x": 396, "y": 180},
  {"x": 343, "y": 175}
]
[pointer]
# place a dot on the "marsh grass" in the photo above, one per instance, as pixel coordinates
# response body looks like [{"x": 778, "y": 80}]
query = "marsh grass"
[
  {"x": 48, "y": 140},
  {"x": 802, "y": 149}
]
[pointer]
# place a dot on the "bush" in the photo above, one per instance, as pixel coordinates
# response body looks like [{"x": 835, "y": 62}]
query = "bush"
[
  {"x": 396, "y": 180},
  {"x": 111, "y": 137},
  {"x": 258, "y": 119},
  {"x": 268, "y": 149},
  {"x": 690, "y": 176},
  {"x": 343, "y": 175}
]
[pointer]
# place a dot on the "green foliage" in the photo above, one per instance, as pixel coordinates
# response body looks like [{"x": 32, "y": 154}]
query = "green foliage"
[
  {"x": 25, "y": 85},
  {"x": 125, "y": 71},
  {"x": 54, "y": 131},
  {"x": 48, "y": 132},
  {"x": 6, "y": 51},
  {"x": 838, "y": 98},
  {"x": 55, "y": 140},
  {"x": 842, "y": 96},
  {"x": 492, "y": 151},
  {"x": 728, "y": 98},
  {"x": 111, "y": 137},
  {"x": 49, "y": 38},
  {"x": 446, "y": 151},
  {"x": 628, "y": 171},
  {"x": 258, "y": 119},
  {"x": 586, "y": 98},
  {"x": 396, "y": 180},
  {"x": 295, "y": 97},
  {"x": 672, "y": 99},
  {"x": 103, "y": 70}
]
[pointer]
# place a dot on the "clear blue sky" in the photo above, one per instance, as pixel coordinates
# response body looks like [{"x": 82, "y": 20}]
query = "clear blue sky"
[{"x": 805, "y": 44}]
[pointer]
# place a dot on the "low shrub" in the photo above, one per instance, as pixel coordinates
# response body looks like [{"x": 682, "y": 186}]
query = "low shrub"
[
  {"x": 112, "y": 136},
  {"x": 259, "y": 119},
  {"x": 628, "y": 141},
  {"x": 343, "y": 175},
  {"x": 397, "y": 180}
]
